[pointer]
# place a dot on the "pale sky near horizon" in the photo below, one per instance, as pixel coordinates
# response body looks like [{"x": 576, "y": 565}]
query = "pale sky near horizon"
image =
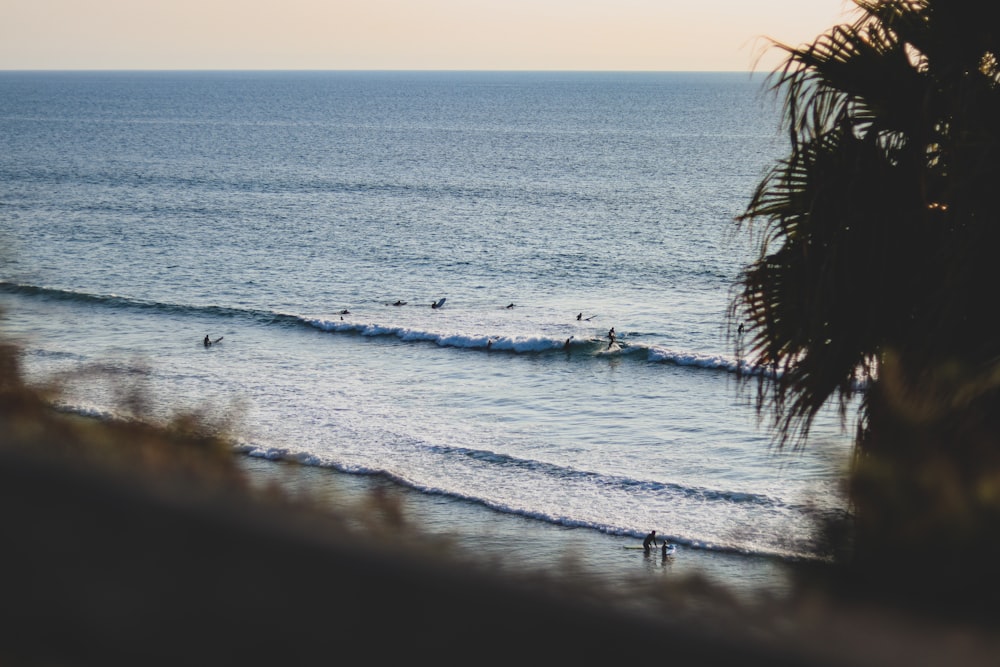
[{"x": 642, "y": 35}]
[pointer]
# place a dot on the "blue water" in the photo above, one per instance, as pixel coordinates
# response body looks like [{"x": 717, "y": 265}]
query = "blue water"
[{"x": 142, "y": 211}]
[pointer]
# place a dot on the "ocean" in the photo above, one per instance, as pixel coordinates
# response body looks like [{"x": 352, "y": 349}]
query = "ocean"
[{"x": 311, "y": 219}]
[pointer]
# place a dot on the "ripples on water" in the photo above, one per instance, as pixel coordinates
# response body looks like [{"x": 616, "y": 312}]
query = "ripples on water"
[{"x": 144, "y": 210}]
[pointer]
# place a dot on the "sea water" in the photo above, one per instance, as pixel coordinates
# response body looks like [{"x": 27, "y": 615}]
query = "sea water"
[{"x": 289, "y": 212}]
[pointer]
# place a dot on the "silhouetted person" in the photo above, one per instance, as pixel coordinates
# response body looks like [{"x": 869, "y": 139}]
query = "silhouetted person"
[
  {"x": 650, "y": 540},
  {"x": 579, "y": 317},
  {"x": 510, "y": 305},
  {"x": 207, "y": 342},
  {"x": 611, "y": 337},
  {"x": 664, "y": 548},
  {"x": 739, "y": 330}
]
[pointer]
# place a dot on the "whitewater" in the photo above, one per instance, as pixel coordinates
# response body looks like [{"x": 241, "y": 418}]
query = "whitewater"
[{"x": 310, "y": 219}]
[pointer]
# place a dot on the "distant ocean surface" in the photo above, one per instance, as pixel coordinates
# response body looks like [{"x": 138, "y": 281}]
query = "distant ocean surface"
[{"x": 287, "y": 212}]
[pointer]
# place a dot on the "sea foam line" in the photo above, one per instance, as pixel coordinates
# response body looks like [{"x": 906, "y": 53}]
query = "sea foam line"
[{"x": 522, "y": 344}]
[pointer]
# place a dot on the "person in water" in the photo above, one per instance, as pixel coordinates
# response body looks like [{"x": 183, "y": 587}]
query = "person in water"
[
  {"x": 664, "y": 548},
  {"x": 579, "y": 317},
  {"x": 650, "y": 540},
  {"x": 207, "y": 342},
  {"x": 611, "y": 337},
  {"x": 510, "y": 305}
]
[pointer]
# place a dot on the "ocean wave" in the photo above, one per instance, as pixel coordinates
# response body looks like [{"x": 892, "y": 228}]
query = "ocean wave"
[
  {"x": 558, "y": 472},
  {"x": 278, "y": 454},
  {"x": 517, "y": 344},
  {"x": 131, "y": 303}
]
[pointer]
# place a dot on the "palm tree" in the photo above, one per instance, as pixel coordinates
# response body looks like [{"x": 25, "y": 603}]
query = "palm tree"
[{"x": 878, "y": 272}]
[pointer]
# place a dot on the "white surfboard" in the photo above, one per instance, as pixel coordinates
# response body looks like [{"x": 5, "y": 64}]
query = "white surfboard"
[{"x": 671, "y": 548}]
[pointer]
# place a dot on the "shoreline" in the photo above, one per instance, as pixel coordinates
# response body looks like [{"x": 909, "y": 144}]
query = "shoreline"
[
  {"x": 137, "y": 546},
  {"x": 509, "y": 542}
]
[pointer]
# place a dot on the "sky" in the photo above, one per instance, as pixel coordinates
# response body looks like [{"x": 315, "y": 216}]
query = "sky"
[{"x": 609, "y": 35}]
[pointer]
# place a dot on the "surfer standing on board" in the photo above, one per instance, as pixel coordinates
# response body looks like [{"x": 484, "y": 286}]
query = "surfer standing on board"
[{"x": 611, "y": 341}]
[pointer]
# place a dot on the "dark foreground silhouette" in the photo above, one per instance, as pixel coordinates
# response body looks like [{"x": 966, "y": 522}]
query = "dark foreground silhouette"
[
  {"x": 128, "y": 545},
  {"x": 102, "y": 570}
]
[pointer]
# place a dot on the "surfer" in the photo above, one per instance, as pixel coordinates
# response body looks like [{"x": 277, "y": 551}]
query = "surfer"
[
  {"x": 208, "y": 342},
  {"x": 650, "y": 540},
  {"x": 611, "y": 337},
  {"x": 566, "y": 344},
  {"x": 399, "y": 303},
  {"x": 345, "y": 312},
  {"x": 739, "y": 330},
  {"x": 579, "y": 317},
  {"x": 510, "y": 305},
  {"x": 664, "y": 547}
]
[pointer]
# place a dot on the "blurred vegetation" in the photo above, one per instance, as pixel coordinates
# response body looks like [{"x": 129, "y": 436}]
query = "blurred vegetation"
[
  {"x": 188, "y": 579},
  {"x": 875, "y": 286}
]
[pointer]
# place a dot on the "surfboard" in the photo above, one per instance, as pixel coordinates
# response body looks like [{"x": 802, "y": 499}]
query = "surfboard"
[
  {"x": 671, "y": 548},
  {"x": 439, "y": 303}
]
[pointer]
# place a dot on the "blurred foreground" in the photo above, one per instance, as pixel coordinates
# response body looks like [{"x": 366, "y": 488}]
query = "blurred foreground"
[{"x": 131, "y": 544}]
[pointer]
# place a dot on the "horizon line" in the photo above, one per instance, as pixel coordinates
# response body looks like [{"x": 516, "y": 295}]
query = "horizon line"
[{"x": 382, "y": 69}]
